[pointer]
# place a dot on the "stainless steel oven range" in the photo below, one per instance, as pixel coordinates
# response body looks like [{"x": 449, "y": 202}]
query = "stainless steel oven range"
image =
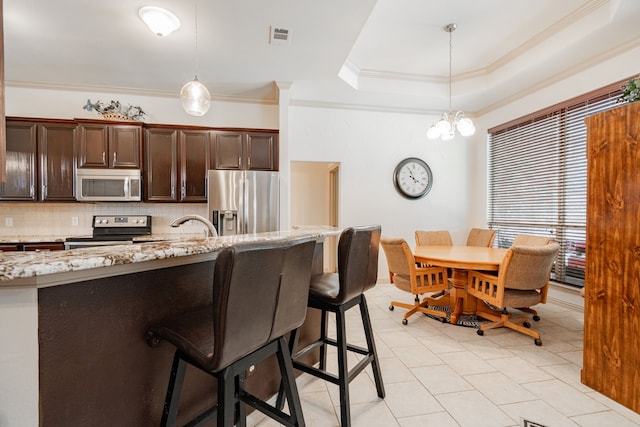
[{"x": 112, "y": 230}]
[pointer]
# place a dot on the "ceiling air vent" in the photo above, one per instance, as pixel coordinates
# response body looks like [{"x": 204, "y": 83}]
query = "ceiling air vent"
[{"x": 279, "y": 35}]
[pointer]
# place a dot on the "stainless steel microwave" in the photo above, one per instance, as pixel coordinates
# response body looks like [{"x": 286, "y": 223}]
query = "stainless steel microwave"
[{"x": 108, "y": 185}]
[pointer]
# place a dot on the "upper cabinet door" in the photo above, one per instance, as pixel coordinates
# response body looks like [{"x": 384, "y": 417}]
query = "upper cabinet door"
[
  {"x": 228, "y": 150},
  {"x": 262, "y": 149},
  {"x": 56, "y": 148},
  {"x": 125, "y": 146},
  {"x": 20, "y": 162},
  {"x": 102, "y": 145},
  {"x": 93, "y": 145},
  {"x": 161, "y": 165},
  {"x": 193, "y": 152}
]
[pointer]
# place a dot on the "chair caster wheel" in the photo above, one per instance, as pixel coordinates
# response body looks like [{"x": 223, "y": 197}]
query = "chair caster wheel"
[
  {"x": 391, "y": 308},
  {"x": 536, "y": 318},
  {"x": 480, "y": 332},
  {"x": 538, "y": 342},
  {"x": 526, "y": 324},
  {"x": 405, "y": 321}
]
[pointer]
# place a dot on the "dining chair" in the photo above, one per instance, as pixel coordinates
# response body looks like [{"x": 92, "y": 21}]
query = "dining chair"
[
  {"x": 337, "y": 293},
  {"x": 410, "y": 277},
  {"x": 522, "y": 281},
  {"x": 531, "y": 240},
  {"x": 433, "y": 238},
  {"x": 481, "y": 237},
  {"x": 259, "y": 295}
]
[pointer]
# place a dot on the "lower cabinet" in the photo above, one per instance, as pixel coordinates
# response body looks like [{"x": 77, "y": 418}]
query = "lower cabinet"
[{"x": 42, "y": 246}]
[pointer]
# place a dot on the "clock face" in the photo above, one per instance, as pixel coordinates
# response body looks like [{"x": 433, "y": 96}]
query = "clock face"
[{"x": 412, "y": 178}]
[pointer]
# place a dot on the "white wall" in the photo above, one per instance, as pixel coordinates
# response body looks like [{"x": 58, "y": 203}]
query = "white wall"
[
  {"x": 368, "y": 145},
  {"x": 60, "y": 104}
]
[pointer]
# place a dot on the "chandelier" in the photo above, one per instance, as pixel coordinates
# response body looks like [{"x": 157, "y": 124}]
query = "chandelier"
[
  {"x": 446, "y": 127},
  {"x": 194, "y": 95}
]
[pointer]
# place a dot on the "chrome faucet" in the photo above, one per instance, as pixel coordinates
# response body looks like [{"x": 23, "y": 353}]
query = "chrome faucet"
[{"x": 181, "y": 220}]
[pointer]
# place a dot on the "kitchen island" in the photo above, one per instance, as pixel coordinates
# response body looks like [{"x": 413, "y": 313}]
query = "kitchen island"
[{"x": 72, "y": 327}]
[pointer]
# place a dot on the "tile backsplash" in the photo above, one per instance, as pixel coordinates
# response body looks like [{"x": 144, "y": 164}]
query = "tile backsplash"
[{"x": 59, "y": 219}]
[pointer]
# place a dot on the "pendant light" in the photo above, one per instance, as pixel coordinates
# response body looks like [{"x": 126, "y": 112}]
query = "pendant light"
[
  {"x": 446, "y": 127},
  {"x": 194, "y": 95}
]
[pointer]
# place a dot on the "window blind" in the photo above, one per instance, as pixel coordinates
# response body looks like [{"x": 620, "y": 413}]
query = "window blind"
[{"x": 537, "y": 175}]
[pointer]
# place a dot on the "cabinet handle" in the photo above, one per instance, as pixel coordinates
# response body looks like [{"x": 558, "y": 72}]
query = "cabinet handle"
[
  {"x": 249, "y": 163},
  {"x": 31, "y": 191},
  {"x": 240, "y": 162},
  {"x": 104, "y": 157},
  {"x": 44, "y": 191},
  {"x": 115, "y": 158},
  {"x": 173, "y": 192},
  {"x": 184, "y": 191}
]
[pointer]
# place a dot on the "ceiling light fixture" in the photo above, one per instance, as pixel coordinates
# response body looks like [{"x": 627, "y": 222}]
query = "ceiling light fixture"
[
  {"x": 194, "y": 95},
  {"x": 160, "y": 21},
  {"x": 446, "y": 127}
]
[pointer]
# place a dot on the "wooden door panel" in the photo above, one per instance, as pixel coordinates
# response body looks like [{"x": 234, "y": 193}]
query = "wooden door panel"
[
  {"x": 56, "y": 145},
  {"x": 125, "y": 147},
  {"x": 93, "y": 145},
  {"x": 193, "y": 154},
  {"x": 161, "y": 165},
  {"x": 20, "y": 161},
  {"x": 229, "y": 148}
]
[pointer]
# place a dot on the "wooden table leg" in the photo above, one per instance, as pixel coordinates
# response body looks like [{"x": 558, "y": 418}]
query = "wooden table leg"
[{"x": 461, "y": 302}]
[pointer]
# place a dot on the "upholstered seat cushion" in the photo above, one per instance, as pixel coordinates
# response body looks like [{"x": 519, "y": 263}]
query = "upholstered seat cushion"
[
  {"x": 191, "y": 333},
  {"x": 520, "y": 298},
  {"x": 325, "y": 286}
]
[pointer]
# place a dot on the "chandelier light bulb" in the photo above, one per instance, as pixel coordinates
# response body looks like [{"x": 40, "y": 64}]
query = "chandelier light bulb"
[{"x": 195, "y": 98}]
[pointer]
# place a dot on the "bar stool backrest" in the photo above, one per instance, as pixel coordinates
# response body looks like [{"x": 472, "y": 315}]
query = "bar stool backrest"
[
  {"x": 260, "y": 292},
  {"x": 357, "y": 261}
]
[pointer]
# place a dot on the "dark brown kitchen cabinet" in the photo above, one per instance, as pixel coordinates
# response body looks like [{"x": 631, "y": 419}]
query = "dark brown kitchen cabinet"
[
  {"x": 109, "y": 145},
  {"x": 40, "y": 161},
  {"x": 177, "y": 162},
  {"x": 245, "y": 150},
  {"x": 22, "y": 139},
  {"x": 56, "y": 165},
  {"x": 161, "y": 162},
  {"x": 45, "y": 246},
  {"x": 194, "y": 148}
]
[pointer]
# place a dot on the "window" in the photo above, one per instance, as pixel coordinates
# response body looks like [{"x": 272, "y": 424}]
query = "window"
[{"x": 538, "y": 178}]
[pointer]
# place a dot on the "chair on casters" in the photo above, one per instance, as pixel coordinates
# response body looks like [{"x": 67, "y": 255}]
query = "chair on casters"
[
  {"x": 433, "y": 238},
  {"x": 408, "y": 276},
  {"x": 530, "y": 240},
  {"x": 337, "y": 293},
  {"x": 481, "y": 237},
  {"x": 259, "y": 295},
  {"x": 522, "y": 281}
]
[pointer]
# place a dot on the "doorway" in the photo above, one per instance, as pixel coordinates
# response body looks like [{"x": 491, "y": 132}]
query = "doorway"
[{"x": 315, "y": 201}]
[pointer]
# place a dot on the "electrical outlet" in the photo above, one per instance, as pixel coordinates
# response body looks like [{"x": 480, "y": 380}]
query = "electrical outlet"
[
  {"x": 8, "y": 222},
  {"x": 74, "y": 220}
]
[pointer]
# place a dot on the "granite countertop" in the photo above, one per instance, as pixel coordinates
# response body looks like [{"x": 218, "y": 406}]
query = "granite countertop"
[{"x": 20, "y": 265}]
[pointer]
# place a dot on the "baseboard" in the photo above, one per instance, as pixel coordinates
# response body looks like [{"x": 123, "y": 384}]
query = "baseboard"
[{"x": 567, "y": 296}]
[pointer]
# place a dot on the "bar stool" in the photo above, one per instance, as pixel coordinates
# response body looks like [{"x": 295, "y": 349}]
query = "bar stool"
[
  {"x": 337, "y": 293},
  {"x": 259, "y": 295}
]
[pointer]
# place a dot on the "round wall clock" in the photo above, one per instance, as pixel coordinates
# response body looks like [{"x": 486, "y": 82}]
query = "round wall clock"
[{"x": 412, "y": 178}]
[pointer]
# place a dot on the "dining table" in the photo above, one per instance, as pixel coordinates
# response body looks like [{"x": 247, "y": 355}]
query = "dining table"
[{"x": 461, "y": 259}]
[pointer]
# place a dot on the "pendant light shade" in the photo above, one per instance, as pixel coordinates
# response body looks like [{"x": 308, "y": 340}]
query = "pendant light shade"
[
  {"x": 445, "y": 128},
  {"x": 195, "y": 97},
  {"x": 160, "y": 21}
]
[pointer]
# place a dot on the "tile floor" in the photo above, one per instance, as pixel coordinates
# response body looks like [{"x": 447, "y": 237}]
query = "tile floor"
[{"x": 441, "y": 375}]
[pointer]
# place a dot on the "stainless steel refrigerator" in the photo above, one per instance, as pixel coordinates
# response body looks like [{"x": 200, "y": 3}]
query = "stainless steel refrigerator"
[{"x": 243, "y": 202}]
